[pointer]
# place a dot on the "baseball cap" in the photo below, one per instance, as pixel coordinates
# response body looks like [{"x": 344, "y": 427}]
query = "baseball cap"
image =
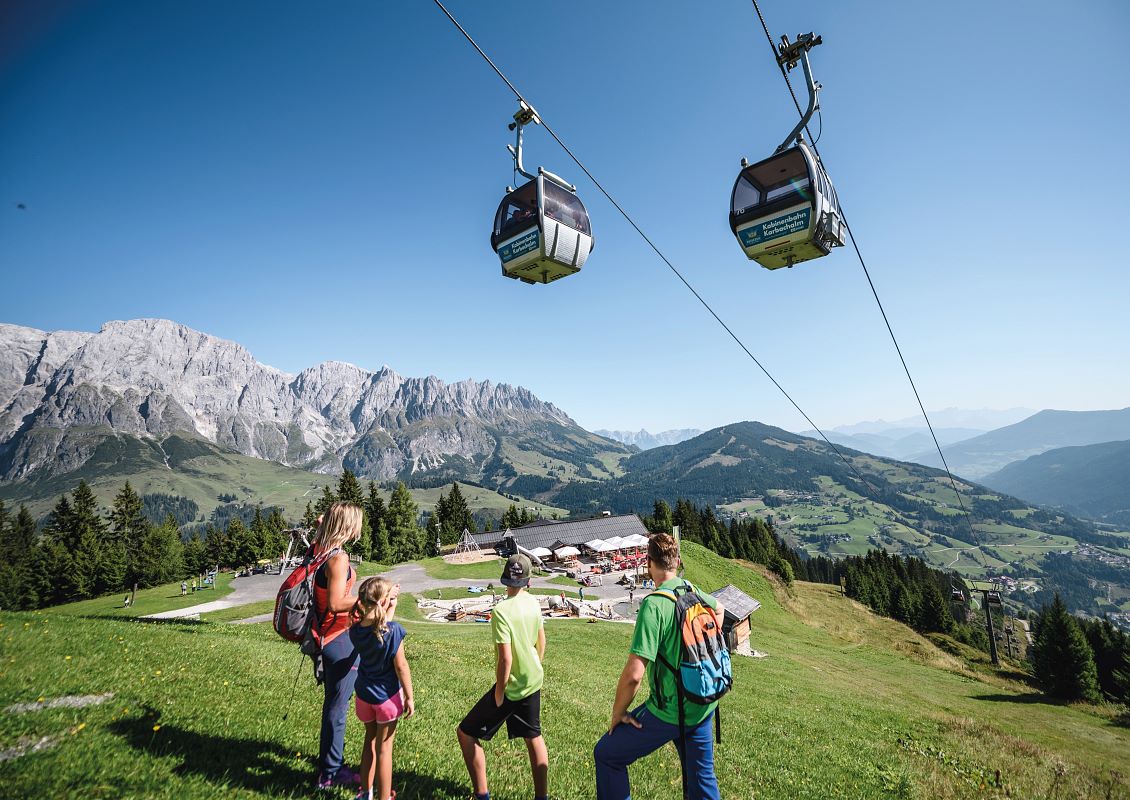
[{"x": 517, "y": 571}]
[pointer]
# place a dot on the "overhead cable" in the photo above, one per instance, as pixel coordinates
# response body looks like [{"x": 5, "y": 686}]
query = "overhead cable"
[
  {"x": 871, "y": 283},
  {"x": 653, "y": 246}
]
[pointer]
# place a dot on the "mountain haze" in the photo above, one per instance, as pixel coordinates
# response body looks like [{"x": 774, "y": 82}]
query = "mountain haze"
[
  {"x": 977, "y": 457},
  {"x": 646, "y": 441},
  {"x": 900, "y": 443}
]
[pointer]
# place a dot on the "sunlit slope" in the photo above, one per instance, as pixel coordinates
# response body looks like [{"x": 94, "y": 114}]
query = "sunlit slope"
[
  {"x": 199, "y": 470},
  {"x": 844, "y": 706}
]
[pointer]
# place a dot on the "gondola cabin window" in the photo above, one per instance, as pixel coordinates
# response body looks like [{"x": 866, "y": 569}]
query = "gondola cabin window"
[
  {"x": 564, "y": 207},
  {"x": 520, "y": 211}
]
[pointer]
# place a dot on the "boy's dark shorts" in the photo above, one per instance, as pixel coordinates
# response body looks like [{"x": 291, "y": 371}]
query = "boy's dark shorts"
[{"x": 522, "y": 717}]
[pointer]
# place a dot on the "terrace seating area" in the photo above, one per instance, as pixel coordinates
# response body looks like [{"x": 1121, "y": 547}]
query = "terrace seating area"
[{"x": 599, "y": 545}]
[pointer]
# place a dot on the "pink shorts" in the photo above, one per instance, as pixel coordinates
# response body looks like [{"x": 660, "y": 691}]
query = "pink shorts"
[{"x": 388, "y": 711}]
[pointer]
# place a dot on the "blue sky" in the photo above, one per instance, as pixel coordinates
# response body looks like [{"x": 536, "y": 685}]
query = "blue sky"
[{"x": 317, "y": 181}]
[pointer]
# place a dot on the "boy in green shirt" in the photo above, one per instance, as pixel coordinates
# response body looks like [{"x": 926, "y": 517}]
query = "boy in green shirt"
[
  {"x": 632, "y": 735},
  {"x": 515, "y": 698}
]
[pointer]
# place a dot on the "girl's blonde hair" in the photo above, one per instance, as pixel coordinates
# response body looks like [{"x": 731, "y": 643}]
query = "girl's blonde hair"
[
  {"x": 340, "y": 525},
  {"x": 369, "y": 608}
]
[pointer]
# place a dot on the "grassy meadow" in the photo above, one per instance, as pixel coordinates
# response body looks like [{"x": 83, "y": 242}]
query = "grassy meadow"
[{"x": 846, "y": 705}]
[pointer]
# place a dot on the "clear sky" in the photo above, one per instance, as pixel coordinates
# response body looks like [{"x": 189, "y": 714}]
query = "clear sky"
[{"x": 317, "y": 181}]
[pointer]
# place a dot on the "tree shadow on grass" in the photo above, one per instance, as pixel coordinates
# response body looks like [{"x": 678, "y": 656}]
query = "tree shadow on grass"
[
  {"x": 255, "y": 764},
  {"x": 1028, "y": 698},
  {"x": 414, "y": 786}
]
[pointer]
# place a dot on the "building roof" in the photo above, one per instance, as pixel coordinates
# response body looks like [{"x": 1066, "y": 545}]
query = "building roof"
[
  {"x": 568, "y": 532},
  {"x": 737, "y": 603}
]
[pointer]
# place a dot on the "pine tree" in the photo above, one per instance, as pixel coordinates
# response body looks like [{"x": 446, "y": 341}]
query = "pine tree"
[
  {"x": 276, "y": 541},
  {"x": 82, "y": 539},
  {"x": 662, "y": 515},
  {"x": 310, "y": 517},
  {"x": 381, "y": 551},
  {"x": 130, "y": 527},
  {"x": 934, "y": 612},
  {"x": 327, "y": 499},
  {"x": 511, "y": 518},
  {"x": 259, "y": 535},
  {"x": 18, "y": 546},
  {"x": 162, "y": 555},
  {"x": 217, "y": 547},
  {"x": 405, "y": 536},
  {"x": 241, "y": 544},
  {"x": 459, "y": 516},
  {"x": 195, "y": 562},
  {"x": 1112, "y": 658},
  {"x": 348, "y": 489},
  {"x": 375, "y": 507},
  {"x": 1061, "y": 657}
]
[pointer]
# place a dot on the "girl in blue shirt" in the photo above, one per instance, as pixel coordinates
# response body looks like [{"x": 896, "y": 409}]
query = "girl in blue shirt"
[{"x": 384, "y": 682}]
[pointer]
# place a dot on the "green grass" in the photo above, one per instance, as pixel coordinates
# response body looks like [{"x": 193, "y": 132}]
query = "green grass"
[
  {"x": 149, "y": 601},
  {"x": 239, "y": 612},
  {"x": 847, "y": 705},
  {"x": 561, "y": 580},
  {"x": 483, "y": 570}
]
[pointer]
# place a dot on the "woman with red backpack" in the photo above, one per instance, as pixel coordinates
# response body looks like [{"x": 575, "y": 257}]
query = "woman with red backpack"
[{"x": 333, "y": 604}]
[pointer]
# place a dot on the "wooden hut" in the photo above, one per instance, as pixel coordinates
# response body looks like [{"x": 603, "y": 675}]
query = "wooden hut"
[{"x": 739, "y": 607}]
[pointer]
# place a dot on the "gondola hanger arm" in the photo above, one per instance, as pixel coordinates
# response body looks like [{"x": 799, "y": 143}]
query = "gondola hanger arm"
[
  {"x": 788, "y": 54},
  {"x": 525, "y": 115}
]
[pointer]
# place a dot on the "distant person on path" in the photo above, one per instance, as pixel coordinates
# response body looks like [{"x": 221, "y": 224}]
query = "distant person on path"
[
  {"x": 125, "y": 603},
  {"x": 633, "y": 735},
  {"x": 333, "y": 604},
  {"x": 384, "y": 682},
  {"x": 581, "y": 593},
  {"x": 515, "y": 698},
  {"x": 183, "y": 588}
]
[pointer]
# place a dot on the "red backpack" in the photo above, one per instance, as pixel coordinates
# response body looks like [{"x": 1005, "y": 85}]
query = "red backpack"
[{"x": 294, "y": 604}]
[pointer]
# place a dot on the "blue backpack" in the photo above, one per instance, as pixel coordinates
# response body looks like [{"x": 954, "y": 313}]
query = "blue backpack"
[{"x": 704, "y": 673}]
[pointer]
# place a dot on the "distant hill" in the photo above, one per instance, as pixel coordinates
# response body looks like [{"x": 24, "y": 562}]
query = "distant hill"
[
  {"x": 819, "y": 504},
  {"x": 646, "y": 441},
  {"x": 1091, "y": 480},
  {"x": 980, "y": 419},
  {"x": 989, "y": 452},
  {"x": 899, "y": 442}
]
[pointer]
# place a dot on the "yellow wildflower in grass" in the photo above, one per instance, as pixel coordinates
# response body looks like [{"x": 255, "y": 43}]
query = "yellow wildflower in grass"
[{"x": 157, "y": 727}]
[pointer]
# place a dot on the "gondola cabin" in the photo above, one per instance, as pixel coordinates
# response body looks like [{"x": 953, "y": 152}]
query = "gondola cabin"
[
  {"x": 784, "y": 210},
  {"x": 541, "y": 232}
]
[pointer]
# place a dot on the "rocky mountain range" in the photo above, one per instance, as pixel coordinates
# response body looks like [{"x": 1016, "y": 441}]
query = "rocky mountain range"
[
  {"x": 63, "y": 393},
  {"x": 646, "y": 441}
]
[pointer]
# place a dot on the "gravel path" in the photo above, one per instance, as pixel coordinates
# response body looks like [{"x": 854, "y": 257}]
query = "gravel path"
[
  {"x": 249, "y": 589},
  {"x": 412, "y": 579}
]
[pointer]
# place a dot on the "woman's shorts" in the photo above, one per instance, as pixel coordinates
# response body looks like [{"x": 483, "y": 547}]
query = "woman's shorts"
[{"x": 388, "y": 711}]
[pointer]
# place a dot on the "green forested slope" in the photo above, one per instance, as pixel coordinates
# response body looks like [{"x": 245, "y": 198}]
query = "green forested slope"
[{"x": 1093, "y": 480}]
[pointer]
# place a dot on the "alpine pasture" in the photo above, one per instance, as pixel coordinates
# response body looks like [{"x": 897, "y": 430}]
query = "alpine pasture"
[{"x": 846, "y": 705}]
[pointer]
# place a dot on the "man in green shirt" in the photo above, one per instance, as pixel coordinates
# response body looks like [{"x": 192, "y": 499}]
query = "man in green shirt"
[
  {"x": 632, "y": 735},
  {"x": 515, "y": 698}
]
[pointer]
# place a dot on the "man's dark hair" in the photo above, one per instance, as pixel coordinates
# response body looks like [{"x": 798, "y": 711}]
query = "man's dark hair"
[{"x": 663, "y": 551}]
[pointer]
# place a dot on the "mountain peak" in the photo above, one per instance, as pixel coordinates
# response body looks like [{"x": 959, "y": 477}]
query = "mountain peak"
[{"x": 154, "y": 377}]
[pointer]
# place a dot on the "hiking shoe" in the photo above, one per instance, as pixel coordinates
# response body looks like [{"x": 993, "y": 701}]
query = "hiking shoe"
[{"x": 343, "y": 777}]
